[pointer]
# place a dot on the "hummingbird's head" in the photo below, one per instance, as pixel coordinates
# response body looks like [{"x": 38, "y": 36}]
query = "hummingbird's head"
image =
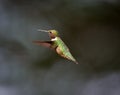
[{"x": 52, "y": 33}]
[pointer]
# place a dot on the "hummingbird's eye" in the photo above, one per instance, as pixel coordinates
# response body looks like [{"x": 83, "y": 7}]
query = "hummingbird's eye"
[{"x": 50, "y": 32}]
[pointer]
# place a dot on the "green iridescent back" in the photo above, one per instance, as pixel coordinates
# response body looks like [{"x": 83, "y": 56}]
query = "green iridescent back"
[{"x": 64, "y": 49}]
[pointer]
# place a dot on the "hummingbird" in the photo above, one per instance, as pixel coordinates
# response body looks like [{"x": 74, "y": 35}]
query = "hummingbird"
[{"x": 56, "y": 44}]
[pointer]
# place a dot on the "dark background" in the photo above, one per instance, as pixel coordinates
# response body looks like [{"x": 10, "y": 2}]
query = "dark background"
[{"x": 90, "y": 28}]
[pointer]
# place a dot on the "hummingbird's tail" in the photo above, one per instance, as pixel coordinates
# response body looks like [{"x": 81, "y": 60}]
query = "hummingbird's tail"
[{"x": 76, "y": 62}]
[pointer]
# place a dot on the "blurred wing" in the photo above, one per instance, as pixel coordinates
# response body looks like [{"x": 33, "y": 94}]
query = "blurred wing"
[{"x": 44, "y": 43}]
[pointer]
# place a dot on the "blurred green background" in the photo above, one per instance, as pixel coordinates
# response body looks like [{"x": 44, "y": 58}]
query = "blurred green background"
[{"x": 90, "y": 28}]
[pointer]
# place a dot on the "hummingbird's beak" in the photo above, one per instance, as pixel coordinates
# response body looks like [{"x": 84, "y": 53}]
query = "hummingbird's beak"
[{"x": 42, "y": 30}]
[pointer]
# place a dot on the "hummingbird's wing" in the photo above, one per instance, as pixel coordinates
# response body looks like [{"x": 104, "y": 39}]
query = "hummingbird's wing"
[{"x": 43, "y": 43}]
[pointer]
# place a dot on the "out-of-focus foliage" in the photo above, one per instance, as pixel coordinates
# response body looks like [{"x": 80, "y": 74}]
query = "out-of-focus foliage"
[{"x": 90, "y": 28}]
